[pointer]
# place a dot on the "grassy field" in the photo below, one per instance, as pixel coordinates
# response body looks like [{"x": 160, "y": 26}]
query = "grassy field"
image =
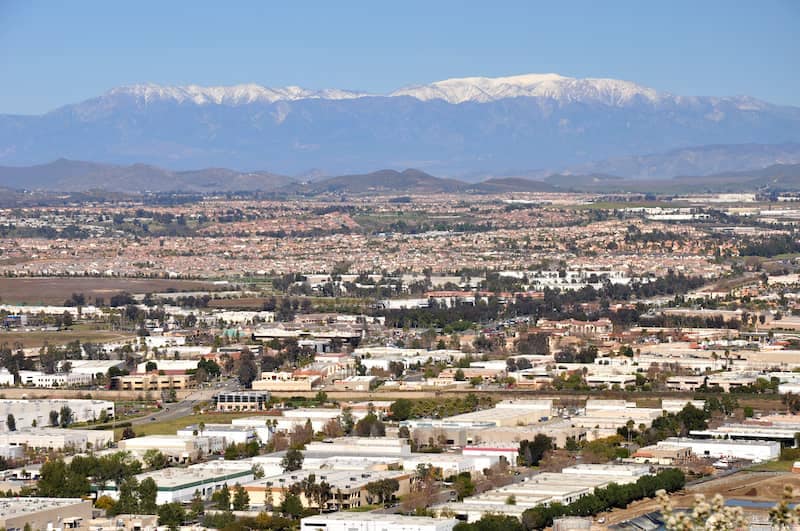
[
  {"x": 38, "y": 338},
  {"x": 169, "y": 427},
  {"x": 772, "y": 466},
  {"x": 42, "y": 291}
]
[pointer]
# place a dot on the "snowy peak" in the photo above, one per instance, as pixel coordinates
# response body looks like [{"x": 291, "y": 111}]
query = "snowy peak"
[
  {"x": 230, "y": 95},
  {"x": 550, "y": 86},
  {"x": 545, "y": 87}
]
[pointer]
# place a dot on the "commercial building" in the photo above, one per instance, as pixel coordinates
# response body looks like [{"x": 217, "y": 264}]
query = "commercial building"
[
  {"x": 348, "y": 488},
  {"x": 718, "y": 448},
  {"x": 44, "y": 513},
  {"x": 361, "y": 446},
  {"x": 285, "y": 381},
  {"x": 509, "y": 452},
  {"x": 451, "y": 464},
  {"x": 355, "y": 383},
  {"x": 58, "y": 439},
  {"x": 178, "y": 449},
  {"x": 152, "y": 382},
  {"x": 241, "y": 401},
  {"x": 662, "y": 454},
  {"x": 37, "y": 411},
  {"x": 566, "y": 487},
  {"x": 180, "y": 484},
  {"x": 58, "y": 379},
  {"x": 229, "y": 433},
  {"x": 753, "y": 432},
  {"x": 374, "y": 522}
]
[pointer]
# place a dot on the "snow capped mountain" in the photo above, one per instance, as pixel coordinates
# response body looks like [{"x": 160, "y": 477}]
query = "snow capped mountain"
[
  {"x": 551, "y": 86},
  {"x": 230, "y": 95},
  {"x": 451, "y": 127},
  {"x": 460, "y": 90}
]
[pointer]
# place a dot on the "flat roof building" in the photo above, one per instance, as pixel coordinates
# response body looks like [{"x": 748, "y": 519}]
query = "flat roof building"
[
  {"x": 180, "y": 484},
  {"x": 345, "y": 521},
  {"x": 44, "y": 513}
]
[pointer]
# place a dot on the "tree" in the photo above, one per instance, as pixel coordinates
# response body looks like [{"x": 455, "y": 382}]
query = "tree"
[
  {"x": 222, "y": 498},
  {"x": 197, "y": 508},
  {"x": 128, "y": 501},
  {"x": 11, "y": 422},
  {"x": 54, "y": 418},
  {"x": 155, "y": 459},
  {"x": 492, "y": 522},
  {"x": 463, "y": 485},
  {"x": 292, "y": 460},
  {"x": 247, "y": 370},
  {"x": 348, "y": 423},
  {"x": 401, "y": 409},
  {"x": 150, "y": 366},
  {"x": 292, "y": 506},
  {"x": 148, "y": 490},
  {"x": 531, "y": 452},
  {"x": 65, "y": 417},
  {"x": 370, "y": 426},
  {"x": 383, "y": 489},
  {"x": 459, "y": 376},
  {"x": 128, "y": 433},
  {"x": 171, "y": 515},
  {"x": 241, "y": 499}
]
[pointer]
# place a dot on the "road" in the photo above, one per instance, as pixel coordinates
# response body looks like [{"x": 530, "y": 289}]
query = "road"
[{"x": 185, "y": 407}]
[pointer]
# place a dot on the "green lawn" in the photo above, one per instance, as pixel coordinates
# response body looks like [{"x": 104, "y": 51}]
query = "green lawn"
[
  {"x": 169, "y": 427},
  {"x": 772, "y": 466}
]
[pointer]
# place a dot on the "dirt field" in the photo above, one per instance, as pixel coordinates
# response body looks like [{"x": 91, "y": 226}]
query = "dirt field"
[
  {"x": 56, "y": 290},
  {"x": 754, "y": 486}
]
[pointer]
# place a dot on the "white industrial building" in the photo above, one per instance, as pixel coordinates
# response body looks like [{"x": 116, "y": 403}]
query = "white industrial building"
[
  {"x": 719, "y": 448},
  {"x": 58, "y": 439},
  {"x": 509, "y": 452},
  {"x": 505, "y": 413},
  {"x": 545, "y": 488},
  {"x": 229, "y": 433},
  {"x": 450, "y": 464},
  {"x": 348, "y": 521},
  {"x": 180, "y": 484},
  {"x": 58, "y": 379},
  {"x": 178, "y": 449},
  {"x": 45, "y": 513},
  {"x": 28, "y": 412}
]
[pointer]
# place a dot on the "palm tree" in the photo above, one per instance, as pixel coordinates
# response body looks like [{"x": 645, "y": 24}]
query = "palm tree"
[{"x": 201, "y": 427}]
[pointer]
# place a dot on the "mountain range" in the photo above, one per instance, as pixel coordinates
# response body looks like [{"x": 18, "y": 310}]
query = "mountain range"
[
  {"x": 508, "y": 127},
  {"x": 90, "y": 177}
]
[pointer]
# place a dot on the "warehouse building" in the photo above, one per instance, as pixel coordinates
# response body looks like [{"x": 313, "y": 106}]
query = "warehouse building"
[
  {"x": 28, "y": 413},
  {"x": 178, "y": 449},
  {"x": 348, "y": 488},
  {"x": 44, "y": 513},
  {"x": 58, "y": 439},
  {"x": 718, "y": 448},
  {"x": 374, "y": 522},
  {"x": 566, "y": 487},
  {"x": 229, "y": 433},
  {"x": 180, "y": 484}
]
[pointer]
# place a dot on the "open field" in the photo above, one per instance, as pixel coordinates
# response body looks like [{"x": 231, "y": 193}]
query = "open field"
[
  {"x": 55, "y": 290},
  {"x": 39, "y": 338},
  {"x": 169, "y": 427}
]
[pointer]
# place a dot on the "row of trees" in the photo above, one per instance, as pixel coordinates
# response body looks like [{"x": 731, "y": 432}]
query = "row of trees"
[
  {"x": 73, "y": 480},
  {"x": 602, "y": 499}
]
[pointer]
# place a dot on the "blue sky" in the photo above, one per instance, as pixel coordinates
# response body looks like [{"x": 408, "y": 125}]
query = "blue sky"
[{"x": 53, "y": 53}]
